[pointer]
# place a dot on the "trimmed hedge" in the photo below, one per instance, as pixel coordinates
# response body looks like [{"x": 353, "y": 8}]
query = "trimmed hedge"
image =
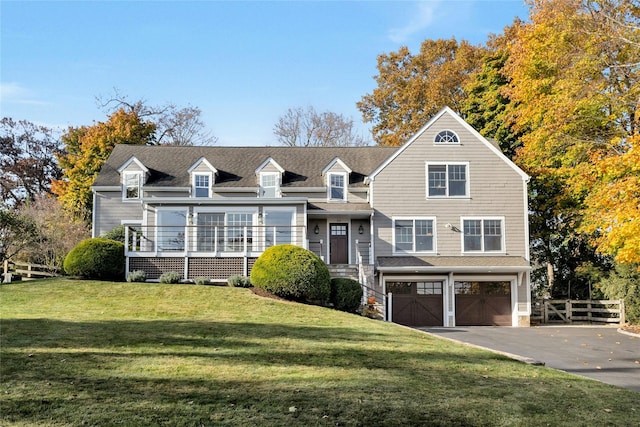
[
  {"x": 346, "y": 294},
  {"x": 96, "y": 258},
  {"x": 293, "y": 273}
]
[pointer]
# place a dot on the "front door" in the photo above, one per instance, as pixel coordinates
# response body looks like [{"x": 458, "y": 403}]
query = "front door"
[{"x": 339, "y": 244}]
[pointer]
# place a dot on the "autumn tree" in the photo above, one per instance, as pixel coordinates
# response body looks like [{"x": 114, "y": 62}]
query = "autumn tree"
[
  {"x": 412, "y": 88},
  {"x": 27, "y": 160},
  {"x": 174, "y": 126},
  {"x": 305, "y": 127},
  {"x": 17, "y": 232},
  {"x": 56, "y": 232},
  {"x": 86, "y": 150}
]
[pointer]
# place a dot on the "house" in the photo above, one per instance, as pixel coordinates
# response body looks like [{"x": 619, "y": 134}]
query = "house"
[{"x": 436, "y": 230}]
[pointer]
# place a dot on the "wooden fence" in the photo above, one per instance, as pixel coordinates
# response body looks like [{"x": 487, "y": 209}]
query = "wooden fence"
[
  {"x": 27, "y": 270},
  {"x": 568, "y": 311}
]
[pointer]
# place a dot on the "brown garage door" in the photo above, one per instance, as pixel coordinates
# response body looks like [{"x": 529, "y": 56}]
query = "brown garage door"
[
  {"x": 416, "y": 303},
  {"x": 483, "y": 303}
]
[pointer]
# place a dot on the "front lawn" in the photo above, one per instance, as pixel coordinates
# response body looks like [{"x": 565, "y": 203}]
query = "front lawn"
[{"x": 105, "y": 354}]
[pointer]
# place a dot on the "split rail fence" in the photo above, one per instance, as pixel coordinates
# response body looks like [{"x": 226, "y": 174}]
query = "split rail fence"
[
  {"x": 27, "y": 270},
  {"x": 569, "y": 311}
]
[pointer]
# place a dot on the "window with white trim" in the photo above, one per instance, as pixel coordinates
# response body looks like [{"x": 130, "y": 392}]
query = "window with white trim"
[
  {"x": 337, "y": 186},
  {"x": 446, "y": 137},
  {"x": 269, "y": 184},
  {"x": 413, "y": 235},
  {"x": 132, "y": 185},
  {"x": 483, "y": 235},
  {"x": 202, "y": 185},
  {"x": 447, "y": 180},
  {"x": 171, "y": 227}
]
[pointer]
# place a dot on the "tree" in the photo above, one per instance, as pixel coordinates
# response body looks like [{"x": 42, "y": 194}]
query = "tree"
[
  {"x": 57, "y": 232},
  {"x": 16, "y": 233},
  {"x": 174, "y": 126},
  {"x": 574, "y": 80},
  {"x": 27, "y": 160},
  {"x": 412, "y": 88},
  {"x": 300, "y": 127},
  {"x": 86, "y": 150},
  {"x": 487, "y": 107}
]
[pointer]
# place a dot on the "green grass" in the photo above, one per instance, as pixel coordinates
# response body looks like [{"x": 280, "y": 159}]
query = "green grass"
[{"x": 129, "y": 354}]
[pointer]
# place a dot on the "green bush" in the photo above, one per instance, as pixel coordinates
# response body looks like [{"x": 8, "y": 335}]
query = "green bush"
[
  {"x": 624, "y": 283},
  {"x": 96, "y": 258},
  {"x": 201, "y": 280},
  {"x": 292, "y": 272},
  {"x": 170, "y": 277},
  {"x": 117, "y": 234},
  {"x": 239, "y": 281},
  {"x": 137, "y": 276},
  {"x": 346, "y": 294}
]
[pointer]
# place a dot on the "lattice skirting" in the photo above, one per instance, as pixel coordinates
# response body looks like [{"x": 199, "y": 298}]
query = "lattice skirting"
[{"x": 217, "y": 269}]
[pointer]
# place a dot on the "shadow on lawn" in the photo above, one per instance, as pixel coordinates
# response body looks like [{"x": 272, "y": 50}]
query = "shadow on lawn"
[{"x": 71, "y": 373}]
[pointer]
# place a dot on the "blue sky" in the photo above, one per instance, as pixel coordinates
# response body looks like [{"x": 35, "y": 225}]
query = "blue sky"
[{"x": 242, "y": 63}]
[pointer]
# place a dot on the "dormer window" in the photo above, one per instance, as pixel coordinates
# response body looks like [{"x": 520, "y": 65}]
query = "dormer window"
[
  {"x": 337, "y": 186},
  {"x": 132, "y": 185},
  {"x": 202, "y": 178},
  {"x": 269, "y": 184},
  {"x": 446, "y": 137},
  {"x": 269, "y": 175},
  {"x": 202, "y": 185},
  {"x": 132, "y": 175},
  {"x": 336, "y": 174}
]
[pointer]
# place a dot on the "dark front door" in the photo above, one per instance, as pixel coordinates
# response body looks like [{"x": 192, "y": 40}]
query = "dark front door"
[
  {"x": 483, "y": 303},
  {"x": 416, "y": 303},
  {"x": 339, "y": 244}
]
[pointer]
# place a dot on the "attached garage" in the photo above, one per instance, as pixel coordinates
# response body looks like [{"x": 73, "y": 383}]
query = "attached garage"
[
  {"x": 456, "y": 291},
  {"x": 416, "y": 303}
]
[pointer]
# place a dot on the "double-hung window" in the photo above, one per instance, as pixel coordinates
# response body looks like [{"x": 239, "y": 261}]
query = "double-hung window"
[
  {"x": 337, "y": 186},
  {"x": 483, "y": 235},
  {"x": 132, "y": 183},
  {"x": 447, "y": 180},
  {"x": 269, "y": 185},
  {"x": 413, "y": 235},
  {"x": 202, "y": 185}
]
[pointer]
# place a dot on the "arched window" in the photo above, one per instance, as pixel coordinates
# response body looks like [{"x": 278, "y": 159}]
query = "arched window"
[{"x": 446, "y": 137}]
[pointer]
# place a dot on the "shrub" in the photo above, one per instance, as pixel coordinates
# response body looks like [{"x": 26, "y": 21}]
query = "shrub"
[
  {"x": 346, "y": 294},
  {"x": 117, "y": 234},
  {"x": 96, "y": 258},
  {"x": 201, "y": 280},
  {"x": 137, "y": 276},
  {"x": 239, "y": 281},
  {"x": 170, "y": 277},
  {"x": 291, "y": 272},
  {"x": 624, "y": 283}
]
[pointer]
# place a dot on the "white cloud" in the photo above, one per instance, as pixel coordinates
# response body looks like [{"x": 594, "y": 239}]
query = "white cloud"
[
  {"x": 17, "y": 94},
  {"x": 421, "y": 19}
]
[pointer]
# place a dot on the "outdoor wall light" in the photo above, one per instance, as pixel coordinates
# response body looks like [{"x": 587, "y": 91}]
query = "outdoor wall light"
[
  {"x": 360, "y": 229},
  {"x": 316, "y": 230}
]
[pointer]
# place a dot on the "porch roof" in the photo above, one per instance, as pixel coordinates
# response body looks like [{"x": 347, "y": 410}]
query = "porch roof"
[
  {"x": 348, "y": 209},
  {"x": 452, "y": 264}
]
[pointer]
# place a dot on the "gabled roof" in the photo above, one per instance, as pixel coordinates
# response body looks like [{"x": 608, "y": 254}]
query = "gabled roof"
[
  {"x": 446, "y": 110},
  {"x": 169, "y": 166},
  {"x": 200, "y": 161},
  {"x": 266, "y": 163},
  {"x": 133, "y": 159},
  {"x": 336, "y": 161}
]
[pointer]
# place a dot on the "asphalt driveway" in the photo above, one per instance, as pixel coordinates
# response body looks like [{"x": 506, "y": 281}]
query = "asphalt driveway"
[{"x": 598, "y": 352}]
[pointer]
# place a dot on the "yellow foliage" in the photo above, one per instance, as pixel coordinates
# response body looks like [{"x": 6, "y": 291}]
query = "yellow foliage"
[{"x": 86, "y": 150}]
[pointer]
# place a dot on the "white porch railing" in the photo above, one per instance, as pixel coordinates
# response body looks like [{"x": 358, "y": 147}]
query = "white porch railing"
[{"x": 209, "y": 239}]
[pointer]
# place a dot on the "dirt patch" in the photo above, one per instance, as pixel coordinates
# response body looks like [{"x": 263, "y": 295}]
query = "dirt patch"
[
  {"x": 634, "y": 329},
  {"x": 261, "y": 292}
]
